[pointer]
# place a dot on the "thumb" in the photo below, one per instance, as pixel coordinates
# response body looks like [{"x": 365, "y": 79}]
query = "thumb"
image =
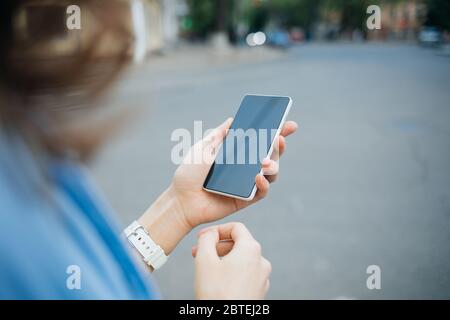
[
  {"x": 206, "y": 246},
  {"x": 205, "y": 150},
  {"x": 221, "y": 131},
  {"x": 213, "y": 140}
]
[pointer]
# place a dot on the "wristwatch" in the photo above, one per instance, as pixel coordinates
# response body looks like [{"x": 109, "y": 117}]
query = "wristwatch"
[{"x": 151, "y": 253}]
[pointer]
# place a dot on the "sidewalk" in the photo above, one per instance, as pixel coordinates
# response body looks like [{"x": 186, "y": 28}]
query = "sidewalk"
[{"x": 189, "y": 56}]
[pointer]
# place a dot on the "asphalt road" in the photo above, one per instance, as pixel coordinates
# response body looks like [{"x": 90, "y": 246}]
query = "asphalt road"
[{"x": 366, "y": 181}]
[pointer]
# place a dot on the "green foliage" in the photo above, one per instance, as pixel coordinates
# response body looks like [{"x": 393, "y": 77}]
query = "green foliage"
[
  {"x": 201, "y": 16},
  {"x": 209, "y": 15},
  {"x": 255, "y": 15},
  {"x": 206, "y": 16},
  {"x": 438, "y": 14},
  {"x": 296, "y": 12},
  {"x": 353, "y": 12}
]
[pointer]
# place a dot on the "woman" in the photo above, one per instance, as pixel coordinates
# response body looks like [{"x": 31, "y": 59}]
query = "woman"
[{"x": 58, "y": 238}]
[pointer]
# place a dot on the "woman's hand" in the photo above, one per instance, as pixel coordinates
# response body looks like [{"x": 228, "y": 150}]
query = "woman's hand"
[
  {"x": 201, "y": 207},
  {"x": 229, "y": 264},
  {"x": 185, "y": 205}
]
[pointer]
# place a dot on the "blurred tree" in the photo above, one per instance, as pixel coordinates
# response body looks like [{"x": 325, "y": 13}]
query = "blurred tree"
[
  {"x": 438, "y": 14},
  {"x": 296, "y": 13},
  {"x": 207, "y": 16},
  {"x": 201, "y": 17},
  {"x": 353, "y": 13},
  {"x": 255, "y": 14}
]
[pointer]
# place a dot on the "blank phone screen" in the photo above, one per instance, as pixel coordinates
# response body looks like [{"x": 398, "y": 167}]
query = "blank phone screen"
[{"x": 247, "y": 143}]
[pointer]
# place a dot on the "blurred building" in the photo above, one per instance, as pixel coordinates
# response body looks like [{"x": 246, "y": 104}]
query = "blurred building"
[
  {"x": 160, "y": 21},
  {"x": 400, "y": 20},
  {"x": 163, "y": 19}
]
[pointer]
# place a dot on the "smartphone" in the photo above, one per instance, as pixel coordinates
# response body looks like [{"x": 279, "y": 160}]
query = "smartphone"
[{"x": 249, "y": 140}]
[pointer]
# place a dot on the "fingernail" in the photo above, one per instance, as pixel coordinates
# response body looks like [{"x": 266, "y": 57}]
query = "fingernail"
[{"x": 228, "y": 120}]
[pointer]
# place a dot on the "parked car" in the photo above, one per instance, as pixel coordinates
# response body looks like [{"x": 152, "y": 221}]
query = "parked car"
[
  {"x": 430, "y": 37},
  {"x": 279, "y": 38}
]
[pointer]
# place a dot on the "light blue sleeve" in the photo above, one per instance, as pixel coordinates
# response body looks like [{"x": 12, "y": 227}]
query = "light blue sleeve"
[{"x": 45, "y": 230}]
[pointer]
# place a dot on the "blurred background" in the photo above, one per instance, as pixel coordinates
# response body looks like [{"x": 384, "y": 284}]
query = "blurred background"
[{"x": 366, "y": 181}]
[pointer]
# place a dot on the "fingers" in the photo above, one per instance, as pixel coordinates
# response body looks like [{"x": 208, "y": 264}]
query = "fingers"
[
  {"x": 242, "y": 273},
  {"x": 289, "y": 128},
  {"x": 267, "y": 287},
  {"x": 206, "y": 246},
  {"x": 263, "y": 186},
  {"x": 223, "y": 248},
  {"x": 281, "y": 145},
  {"x": 219, "y": 241},
  {"x": 279, "y": 148},
  {"x": 267, "y": 269},
  {"x": 276, "y": 149},
  {"x": 235, "y": 231},
  {"x": 270, "y": 167},
  {"x": 267, "y": 266}
]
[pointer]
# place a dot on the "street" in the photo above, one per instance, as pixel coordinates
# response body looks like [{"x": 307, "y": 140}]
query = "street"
[{"x": 365, "y": 181}]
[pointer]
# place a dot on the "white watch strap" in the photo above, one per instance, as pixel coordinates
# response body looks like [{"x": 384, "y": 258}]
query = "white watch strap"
[{"x": 139, "y": 238}]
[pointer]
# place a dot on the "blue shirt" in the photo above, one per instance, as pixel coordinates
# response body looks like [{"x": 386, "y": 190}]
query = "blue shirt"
[{"x": 56, "y": 232}]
